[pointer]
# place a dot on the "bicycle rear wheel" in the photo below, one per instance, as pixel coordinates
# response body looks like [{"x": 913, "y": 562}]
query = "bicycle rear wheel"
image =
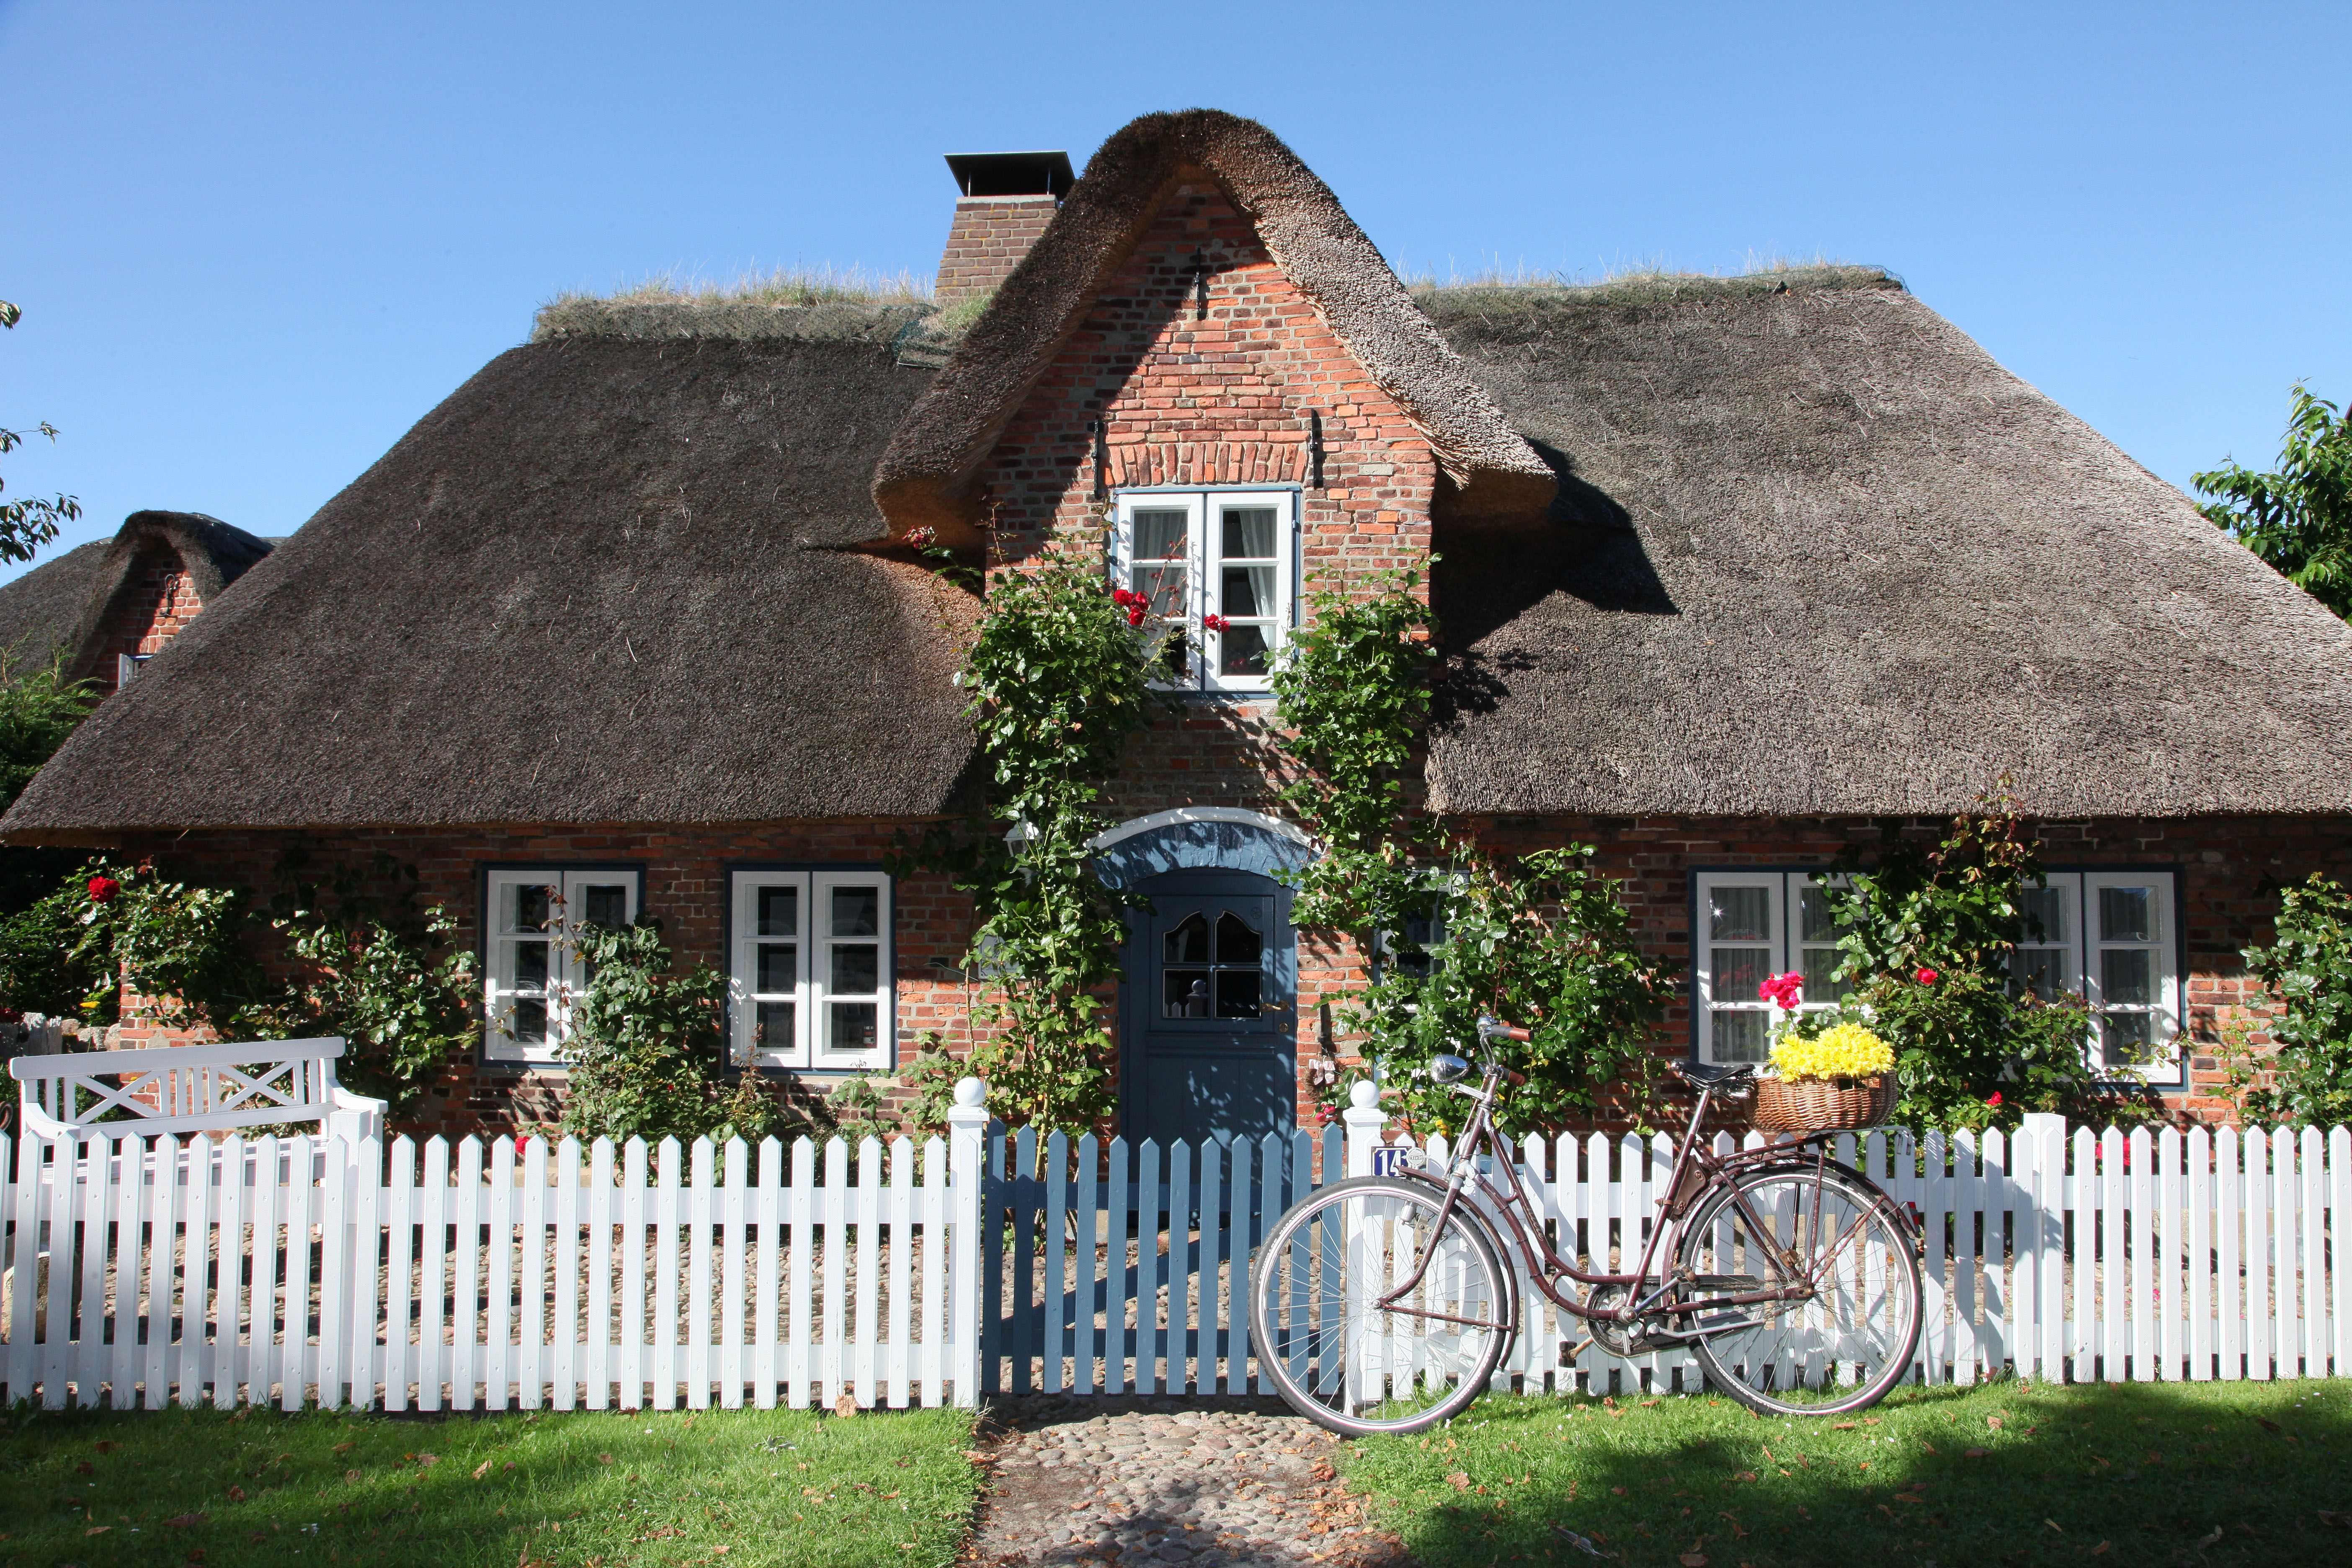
[
  {"x": 1849, "y": 1340},
  {"x": 1322, "y": 1336}
]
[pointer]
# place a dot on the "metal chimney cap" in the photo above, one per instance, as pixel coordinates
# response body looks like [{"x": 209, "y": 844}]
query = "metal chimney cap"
[{"x": 1011, "y": 173}]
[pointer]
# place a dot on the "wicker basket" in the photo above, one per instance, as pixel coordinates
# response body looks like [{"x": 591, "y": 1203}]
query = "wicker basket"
[{"x": 1821, "y": 1105}]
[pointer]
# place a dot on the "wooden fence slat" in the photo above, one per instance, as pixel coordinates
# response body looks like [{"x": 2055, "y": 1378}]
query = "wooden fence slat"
[
  {"x": 2339, "y": 1216},
  {"x": 767, "y": 1276},
  {"x": 531, "y": 1362},
  {"x": 668, "y": 1200},
  {"x": 497, "y": 1290},
  {"x": 567, "y": 1336},
  {"x": 799, "y": 1262},
  {"x": 702, "y": 1179},
  {"x": 864, "y": 1370}
]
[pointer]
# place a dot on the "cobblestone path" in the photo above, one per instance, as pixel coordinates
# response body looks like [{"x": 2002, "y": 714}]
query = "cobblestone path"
[{"x": 1223, "y": 1483}]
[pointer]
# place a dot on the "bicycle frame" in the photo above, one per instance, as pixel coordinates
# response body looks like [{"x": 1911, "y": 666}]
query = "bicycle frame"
[{"x": 1551, "y": 1273}]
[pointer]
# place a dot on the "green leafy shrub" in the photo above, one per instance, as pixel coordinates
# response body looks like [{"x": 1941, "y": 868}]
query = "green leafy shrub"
[
  {"x": 2308, "y": 966},
  {"x": 643, "y": 1041},
  {"x": 2298, "y": 517}
]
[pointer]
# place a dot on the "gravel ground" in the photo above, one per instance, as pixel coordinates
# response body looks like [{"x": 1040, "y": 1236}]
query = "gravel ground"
[{"x": 1219, "y": 1483}]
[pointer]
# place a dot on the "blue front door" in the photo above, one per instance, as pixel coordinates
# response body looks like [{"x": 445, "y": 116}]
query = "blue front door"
[{"x": 1208, "y": 1015}]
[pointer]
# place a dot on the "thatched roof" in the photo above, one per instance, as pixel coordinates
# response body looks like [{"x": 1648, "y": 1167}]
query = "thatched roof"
[
  {"x": 600, "y": 582},
  {"x": 1816, "y": 552},
  {"x": 61, "y": 608},
  {"x": 925, "y": 477}
]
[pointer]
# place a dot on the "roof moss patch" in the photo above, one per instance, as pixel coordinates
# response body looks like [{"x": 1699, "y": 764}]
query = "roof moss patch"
[{"x": 1445, "y": 301}]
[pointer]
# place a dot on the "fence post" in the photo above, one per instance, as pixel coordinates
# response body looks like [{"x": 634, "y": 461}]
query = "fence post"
[
  {"x": 967, "y": 1151},
  {"x": 1365, "y": 1120}
]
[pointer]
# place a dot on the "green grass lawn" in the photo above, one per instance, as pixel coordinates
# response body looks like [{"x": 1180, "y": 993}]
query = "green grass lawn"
[
  {"x": 584, "y": 1490},
  {"x": 2005, "y": 1473}
]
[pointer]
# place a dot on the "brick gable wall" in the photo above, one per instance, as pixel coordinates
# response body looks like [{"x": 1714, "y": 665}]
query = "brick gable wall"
[{"x": 156, "y": 604}]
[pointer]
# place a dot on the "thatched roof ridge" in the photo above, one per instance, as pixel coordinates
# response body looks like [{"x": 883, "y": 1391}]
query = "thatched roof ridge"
[
  {"x": 600, "y": 582},
  {"x": 923, "y": 478},
  {"x": 1816, "y": 552},
  {"x": 717, "y": 316}
]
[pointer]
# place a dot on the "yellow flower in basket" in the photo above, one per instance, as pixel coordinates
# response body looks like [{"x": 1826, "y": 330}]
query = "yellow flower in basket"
[{"x": 1845, "y": 1050}]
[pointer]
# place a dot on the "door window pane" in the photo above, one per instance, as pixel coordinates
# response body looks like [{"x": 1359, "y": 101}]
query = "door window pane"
[
  {"x": 1738, "y": 1036},
  {"x": 1187, "y": 943},
  {"x": 1164, "y": 587},
  {"x": 1814, "y": 923},
  {"x": 2043, "y": 915},
  {"x": 2042, "y": 971},
  {"x": 531, "y": 965},
  {"x": 779, "y": 912},
  {"x": 779, "y": 966},
  {"x": 527, "y": 1021},
  {"x": 1159, "y": 534},
  {"x": 1241, "y": 650},
  {"x": 856, "y": 911},
  {"x": 857, "y": 967},
  {"x": 531, "y": 906},
  {"x": 1246, "y": 593},
  {"x": 2127, "y": 1037},
  {"x": 1236, "y": 942},
  {"x": 775, "y": 1026},
  {"x": 1184, "y": 993},
  {"x": 606, "y": 905},
  {"x": 2126, "y": 914},
  {"x": 1237, "y": 993},
  {"x": 1819, "y": 968},
  {"x": 1741, "y": 914}
]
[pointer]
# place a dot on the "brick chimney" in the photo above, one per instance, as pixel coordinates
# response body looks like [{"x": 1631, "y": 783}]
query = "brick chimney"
[{"x": 1004, "y": 200}]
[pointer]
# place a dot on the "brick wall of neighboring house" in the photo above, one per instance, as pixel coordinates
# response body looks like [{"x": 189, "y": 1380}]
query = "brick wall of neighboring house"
[
  {"x": 2232, "y": 867},
  {"x": 987, "y": 240},
  {"x": 157, "y": 603}
]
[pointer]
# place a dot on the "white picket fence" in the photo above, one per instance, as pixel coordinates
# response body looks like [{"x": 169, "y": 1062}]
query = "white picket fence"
[{"x": 464, "y": 1276}]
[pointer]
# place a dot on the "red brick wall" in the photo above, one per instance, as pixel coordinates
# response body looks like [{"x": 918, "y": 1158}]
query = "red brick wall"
[
  {"x": 158, "y": 600},
  {"x": 987, "y": 240}
]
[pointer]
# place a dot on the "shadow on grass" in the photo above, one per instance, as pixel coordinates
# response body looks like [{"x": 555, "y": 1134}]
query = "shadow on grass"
[
  {"x": 257, "y": 1487},
  {"x": 2004, "y": 1473}
]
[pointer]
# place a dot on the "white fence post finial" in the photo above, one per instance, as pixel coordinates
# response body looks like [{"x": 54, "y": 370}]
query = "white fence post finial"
[
  {"x": 967, "y": 1161},
  {"x": 1365, "y": 1121}
]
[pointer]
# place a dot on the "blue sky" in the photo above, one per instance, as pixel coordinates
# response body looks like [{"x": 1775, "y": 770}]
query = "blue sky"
[{"x": 254, "y": 244}]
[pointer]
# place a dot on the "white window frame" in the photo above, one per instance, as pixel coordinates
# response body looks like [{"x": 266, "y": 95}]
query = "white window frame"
[
  {"x": 811, "y": 1047},
  {"x": 1782, "y": 946},
  {"x": 1203, "y": 583},
  {"x": 567, "y": 977},
  {"x": 2081, "y": 946}
]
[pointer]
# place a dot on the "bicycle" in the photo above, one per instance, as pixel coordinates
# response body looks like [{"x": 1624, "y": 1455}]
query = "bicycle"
[{"x": 1384, "y": 1303}]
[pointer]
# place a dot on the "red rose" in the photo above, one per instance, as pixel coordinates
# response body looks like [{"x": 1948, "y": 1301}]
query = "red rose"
[
  {"x": 921, "y": 538},
  {"x": 1927, "y": 977},
  {"x": 102, "y": 889},
  {"x": 1214, "y": 623},
  {"x": 1993, "y": 1099},
  {"x": 1121, "y": 597},
  {"x": 1784, "y": 991},
  {"x": 1135, "y": 615}
]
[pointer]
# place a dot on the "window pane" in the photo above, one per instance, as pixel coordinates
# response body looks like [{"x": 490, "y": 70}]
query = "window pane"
[
  {"x": 853, "y": 1026},
  {"x": 857, "y": 967},
  {"x": 530, "y": 909},
  {"x": 1248, "y": 534},
  {"x": 607, "y": 905},
  {"x": 2126, "y": 914},
  {"x": 779, "y": 912},
  {"x": 1820, "y": 968},
  {"x": 2042, "y": 971},
  {"x": 2044, "y": 912},
  {"x": 1738, "y": 970},
  {"x": 779, "y": 966},
  {"x": 858, "y": 911},
  {"x": 775, "y": 1026},
  {"x": 2126, "y": 977},
  {"x": 1246, "y": 591},
  {"x": 1741, "y": 914},
  {"x": 531, "y": 965},
  {"x": 1165, "y": 587},
  {"x": 1159, "y": 534},
  {"x": 1241, "y": 650},
  {"x": 1737, "y": 1037},
  {"x": 1187, "y": 943},
  {"x": 1237, "y": 993},
  {"x": 2127, "y": 1037},
  {"x": 1236, "y": 944},
  {"x": 527, "y": 1021},
  {"x": 1184, "y": 993},
  {"x": 1814, "y": 923}
]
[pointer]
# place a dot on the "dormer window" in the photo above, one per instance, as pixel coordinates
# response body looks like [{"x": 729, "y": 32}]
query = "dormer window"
[{"x": 1222, "y": 565}]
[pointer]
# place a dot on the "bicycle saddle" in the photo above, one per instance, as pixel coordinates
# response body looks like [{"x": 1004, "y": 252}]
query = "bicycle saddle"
[{"x": 1707, "y": 1075}]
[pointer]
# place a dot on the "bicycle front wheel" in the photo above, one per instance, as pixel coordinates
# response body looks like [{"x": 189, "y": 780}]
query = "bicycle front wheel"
[
  {"x": 1370, "y": 1316},
  {"x": 1848, "y": 1337}
]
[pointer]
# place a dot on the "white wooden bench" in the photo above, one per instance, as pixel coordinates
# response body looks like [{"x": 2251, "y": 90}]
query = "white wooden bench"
[{"x": 180, "y": 1089}]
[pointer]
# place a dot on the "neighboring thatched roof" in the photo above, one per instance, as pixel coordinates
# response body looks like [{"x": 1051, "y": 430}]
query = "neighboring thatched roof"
[
  {"x": 1816, "y": 552},
  {"x": 40, "y": 610},
  {"x": 593, "y": 585},
  {"x": 62, "y": 608},
  {"x": 925, "y": 477}
]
